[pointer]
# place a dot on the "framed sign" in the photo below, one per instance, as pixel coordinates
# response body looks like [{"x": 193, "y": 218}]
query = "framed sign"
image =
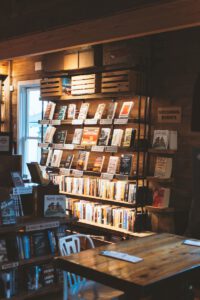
[
  {"x": 169, "y": 114},
  {"x": 5, "y": 143}
]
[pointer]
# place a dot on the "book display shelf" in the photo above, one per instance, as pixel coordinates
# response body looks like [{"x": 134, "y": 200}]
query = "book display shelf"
[{"x": 95, "y": 146}]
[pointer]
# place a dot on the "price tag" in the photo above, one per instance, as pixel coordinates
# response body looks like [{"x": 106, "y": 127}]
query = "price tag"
[
  {"x": 42, "y": 226},
  {"x": 65, "y": 172},
  {"x": 68, "y": 147},
  {"x": 44, "y": 122},
  {"x": 80, "y": 147},
  {"x": 97, "y": 148},
  {"x": 22, "y": 190},
  {"x": 77, "y": 173},
  {"x": 77, "y": 122},
  {"x": 43, "y": 145},
  {"x": 10, "y": 265},
  {"x": 58, "y": 146},
  {"x": 111, "y": 148},
  {"x": 106, "y": 121},
  {"x": 120, "y": 121},
  {"x": 107, "y": 176},
  {"x": 90, "y": 121},
  {"x": 55, "y": 122}
]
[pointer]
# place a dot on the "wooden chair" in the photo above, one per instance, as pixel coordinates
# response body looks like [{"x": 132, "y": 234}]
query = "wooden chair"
[{"x": 76, "y": 287}]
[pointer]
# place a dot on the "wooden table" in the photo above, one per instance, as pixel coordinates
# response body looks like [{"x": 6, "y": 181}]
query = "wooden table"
[{"x": 167, "y": 262}]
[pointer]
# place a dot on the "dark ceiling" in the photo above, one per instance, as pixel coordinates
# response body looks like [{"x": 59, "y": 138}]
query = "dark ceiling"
[{"x": 21, "y": 17}]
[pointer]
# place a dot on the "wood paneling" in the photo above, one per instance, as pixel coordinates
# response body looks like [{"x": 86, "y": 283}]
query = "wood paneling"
[{"x": 148, "y": 20}]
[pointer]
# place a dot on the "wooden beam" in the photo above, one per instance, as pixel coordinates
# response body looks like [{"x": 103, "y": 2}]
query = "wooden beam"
[{"x": 163, "y": 17}]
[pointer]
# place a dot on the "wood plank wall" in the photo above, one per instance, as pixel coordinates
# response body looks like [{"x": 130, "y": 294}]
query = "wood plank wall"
[{"x": 175, "y": 64}]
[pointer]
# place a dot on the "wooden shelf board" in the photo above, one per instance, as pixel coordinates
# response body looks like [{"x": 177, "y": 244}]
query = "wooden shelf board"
[
  {"x": 99, "y": 199},
  {"x": 54, "y": 288},
  {"x": 164, "y": 180},
  {"x": 34, "y": 260},
  {"x": 163, "y": 151},
  {"x": 111, "y": 229}
]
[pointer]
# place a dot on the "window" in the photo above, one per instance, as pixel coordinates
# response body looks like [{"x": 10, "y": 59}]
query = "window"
[{"x": 29, "y": 131}]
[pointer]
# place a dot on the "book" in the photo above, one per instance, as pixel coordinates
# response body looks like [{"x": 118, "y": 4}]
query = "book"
[
  {"x": 90, "y": 136},
  {"x": 56, "y": 158},
  {"x": 98, "y": 163},
  {"x": 99, "y": 112},
  {"x": 60, "y": 112},
  {"x": 39, "y": 243},
  {"x": 71, "y": 113},
  {"x": 82, "y": 161},
  {"x": 161, "y": 197},
  {"x": 173, "y": 140},
  {"x": 83, "y": 111},
  {"x": 8, "y": 212},
  {"x": 48, "y": 274},
  {"x": 104, "y": 136},
  {"x": 34, "y": 280},
  {"x": 44, "y": 156},
  {"x": 60, "y": 136},
  {"x": 48, "y": 137},
  {"x": 112, "y": 164},
  {"x": 129, "y": 137},
  {"x": 67, "y": 163},
  {"x": 17, "y": 179},
  {"x": 126, "y": 164},
  {"x": 111, "y": 110},
  {"x": 163, "y": 167},
  {"x": 126, "y": 109},
  {"x": 49, "y": 157},
  {"x": 117, "y": 137},
  {"x": 49, "y": 112},
  {"x": 54, "y": 206},
  {"x": 36, "y": 173},
  {"x": 3, "y": 251},
  {"x": 77, "y": 136},
  {"x": 160, "y": 139}
]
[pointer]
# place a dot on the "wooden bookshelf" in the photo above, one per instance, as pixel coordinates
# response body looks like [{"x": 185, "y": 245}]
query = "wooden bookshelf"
[
  {"x": 99, "y": 199},
  {"x": 103, "y": 228}
]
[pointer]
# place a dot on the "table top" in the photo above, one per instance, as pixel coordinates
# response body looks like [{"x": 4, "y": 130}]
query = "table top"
[{"x": 164, "y": 257}]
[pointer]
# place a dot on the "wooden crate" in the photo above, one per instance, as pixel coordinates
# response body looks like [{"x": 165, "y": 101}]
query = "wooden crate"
[
  {"x": 119, "y": 81},
  {"x": 54, "y": 87},
  {"x": 83, "y": 84}
]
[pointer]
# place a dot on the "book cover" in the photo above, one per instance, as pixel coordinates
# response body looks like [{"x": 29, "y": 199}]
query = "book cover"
[
  {"x": 60, "y": 136},
  {"x": 3, "y": 251},
  {"x": 90, "y": 136},
  {"x": 82, "y": 160},
  {"x": 67, "y": 163},
  {"x": 34, "y": 279},
  {"x": 39, "y": 243},
  {"x": 163, "y": 167},
  {"x": 126, "y": 164},
  {"x": 71, "y": 113},
  {"x": 77, "y": 136},
  {"x": 48, "y": 274},
  {"x": 113, "y": 164},
  {"x": 104, "y": 137},
  {"x": 117, "y": 137},
  {"x": 49, "y": 157},
  {"x": 54, "y": 206},
  {"x": 129, "y": 137},
  {"x": 48, "y": 137},
  {"x": 49, "y": 112},
  {"x": 56, "y": 158},
  {"x": 99, "y": 112},
  {"x": 60, "y": 112},
  {"x": 8, "y": 212},
  {"x": 111, "y": 110},
  {"x": 17, "y": 179},
  {"x": 83, "y": 111},
  {"x": 161, "y": 197},
  {"x": 173, "y": 140},
  {"x": 44, "y": 156},
  {"x": 126, "y": 109},
  {"x": 160, "y": 139},
  {"x": 98, "y": 163}
]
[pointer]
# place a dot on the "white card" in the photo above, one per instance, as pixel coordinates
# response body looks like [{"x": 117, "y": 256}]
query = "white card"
[
  {"x": 192, "y": 243},
  {"x": 122, "y": 256}
]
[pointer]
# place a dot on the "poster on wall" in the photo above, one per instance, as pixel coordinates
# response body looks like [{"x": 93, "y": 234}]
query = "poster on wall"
[
  {"x": 4, "y": 142},
  {"x": 169, "y": 114}
]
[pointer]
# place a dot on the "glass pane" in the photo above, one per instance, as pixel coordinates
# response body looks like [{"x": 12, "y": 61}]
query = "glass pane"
[{"x": 34, "y": 113}]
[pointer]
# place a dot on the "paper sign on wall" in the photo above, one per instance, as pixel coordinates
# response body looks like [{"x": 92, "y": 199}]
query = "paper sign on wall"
[{"x": 169, "y": 114}]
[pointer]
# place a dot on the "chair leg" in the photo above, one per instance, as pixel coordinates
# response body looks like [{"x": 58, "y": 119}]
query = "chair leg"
[{"x": 65, "y": 287}]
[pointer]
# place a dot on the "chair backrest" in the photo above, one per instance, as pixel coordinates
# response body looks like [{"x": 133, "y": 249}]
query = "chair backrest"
[
  {"x": 72, "y": 243},
  {"x": 69, "y": 245}
]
